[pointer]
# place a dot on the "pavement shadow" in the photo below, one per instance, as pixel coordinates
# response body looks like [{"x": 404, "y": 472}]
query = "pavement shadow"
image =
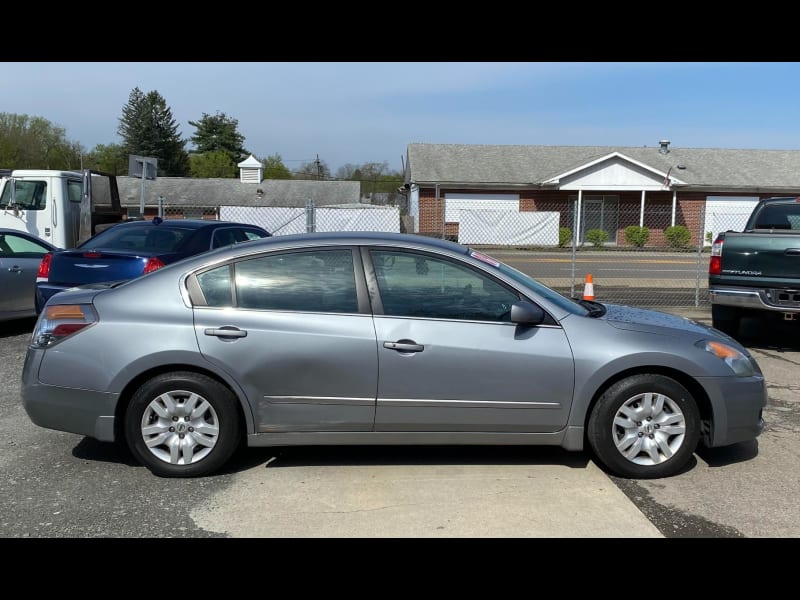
[
  {"x": 314, "y": 456},
  {"x": 16, "y": 327},
  {"x": 110, "y": 452},
  {"x": 246, "y": 458},
  {"x": 728, "y": 455},
  {"x": 770, "y": 333}
]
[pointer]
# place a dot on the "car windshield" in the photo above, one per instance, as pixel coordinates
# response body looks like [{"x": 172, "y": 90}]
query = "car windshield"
[
  {"x": 551, "y": 295},
  {"x": 145, "y": 238}
]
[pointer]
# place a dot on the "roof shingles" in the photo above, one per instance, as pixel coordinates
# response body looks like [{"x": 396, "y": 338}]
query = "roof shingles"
[{"x": 531, "y": 165}]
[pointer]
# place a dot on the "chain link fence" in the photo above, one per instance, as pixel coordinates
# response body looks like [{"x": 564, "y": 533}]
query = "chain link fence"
[{"x": 654, "y": 258}]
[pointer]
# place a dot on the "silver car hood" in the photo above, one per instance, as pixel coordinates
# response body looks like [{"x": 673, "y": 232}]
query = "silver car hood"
[{"x": 653, "y": 321}]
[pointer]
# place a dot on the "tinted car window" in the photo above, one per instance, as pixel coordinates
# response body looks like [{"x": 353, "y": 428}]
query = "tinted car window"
[
  {"x": 779, "y": 216},
  {"x": 152, "y": 238},
  {"x": 420, "y": 285},
  {"x": 316, "y": 281}
]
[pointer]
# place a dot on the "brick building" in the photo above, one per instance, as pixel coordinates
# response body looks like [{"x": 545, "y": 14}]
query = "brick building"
[{"x": 593, "y": 187}]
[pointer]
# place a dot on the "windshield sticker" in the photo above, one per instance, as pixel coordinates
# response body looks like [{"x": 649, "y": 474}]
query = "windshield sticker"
[{"x": 484, "y": 258}]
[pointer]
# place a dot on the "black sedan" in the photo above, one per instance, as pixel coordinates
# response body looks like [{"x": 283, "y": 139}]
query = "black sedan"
[{"x": 131, "y": 249}]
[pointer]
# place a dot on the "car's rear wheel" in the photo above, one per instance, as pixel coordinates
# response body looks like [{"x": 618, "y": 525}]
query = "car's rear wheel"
[
  {"x": 182, "y": 424},
  {"x": 645, "y": 426}
]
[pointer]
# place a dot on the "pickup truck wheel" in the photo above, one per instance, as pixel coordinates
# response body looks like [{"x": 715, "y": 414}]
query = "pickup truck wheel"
[
  {"x": 645, "y": 426},
  {"x": 726, "y": 319},
  {"x": 182, "y": 424}
]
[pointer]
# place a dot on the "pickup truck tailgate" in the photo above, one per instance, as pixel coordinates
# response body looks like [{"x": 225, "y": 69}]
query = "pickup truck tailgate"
[{"x": 762, "y": 255}]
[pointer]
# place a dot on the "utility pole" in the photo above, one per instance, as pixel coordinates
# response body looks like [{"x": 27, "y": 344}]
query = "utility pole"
[{"x": 319, "y": 168}]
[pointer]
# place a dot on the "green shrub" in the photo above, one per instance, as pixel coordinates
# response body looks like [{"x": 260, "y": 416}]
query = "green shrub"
[
  {"x": 597, "y": 237},
  {"x": 709, "y": 238},
  {"x": 677, "y": 236},
  {"x": 564, "y": 236},
  {"x": 637, "y": 236}
]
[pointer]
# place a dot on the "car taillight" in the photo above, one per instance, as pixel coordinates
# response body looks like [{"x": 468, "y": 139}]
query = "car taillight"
[
  {"x": 153, "y": 264},
  {"x": 44, "y": 267},
  {"x": 59, "y": 321},
  {"x": 715, "y": 263}
]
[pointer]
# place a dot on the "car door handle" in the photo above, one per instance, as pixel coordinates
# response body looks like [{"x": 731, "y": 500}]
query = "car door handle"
[
  {"x": 792, "y": 251},
  {"x": 404, "y": 346},
  {"x": 226, "y": 332},
  {"x": 14, "y": 269}
]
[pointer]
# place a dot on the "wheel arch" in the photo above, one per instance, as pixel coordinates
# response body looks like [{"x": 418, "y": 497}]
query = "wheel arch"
[
  {"x": 243, "y": 408},
  {"x": 690, "y": 383}
]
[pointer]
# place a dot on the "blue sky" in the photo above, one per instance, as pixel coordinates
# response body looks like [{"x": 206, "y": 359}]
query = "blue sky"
[{"x": 352, "y": 112}]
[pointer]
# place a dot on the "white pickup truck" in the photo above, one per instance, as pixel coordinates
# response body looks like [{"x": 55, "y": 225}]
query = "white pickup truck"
[{"x": 61, "y": 207}]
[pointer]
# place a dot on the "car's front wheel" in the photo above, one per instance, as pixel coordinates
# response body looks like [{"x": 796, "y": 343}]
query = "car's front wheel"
[
  {"x": 645, "y": 426},
  {"x": 182, "y": 424}
]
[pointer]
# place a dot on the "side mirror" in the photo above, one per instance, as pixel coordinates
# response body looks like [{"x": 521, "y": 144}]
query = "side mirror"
[{"x": 525, "y": 313}]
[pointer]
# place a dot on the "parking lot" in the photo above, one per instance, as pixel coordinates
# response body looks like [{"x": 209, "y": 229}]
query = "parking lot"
[{"x": 63, "y": 485}]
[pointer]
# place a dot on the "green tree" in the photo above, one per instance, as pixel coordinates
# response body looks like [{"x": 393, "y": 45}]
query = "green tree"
[
  {"x": 315, "y": 169},
  {"x": 219, "y": 133},
  {"x": 212, "y": 164},
  {"x": 274, "y": 168},
  {"x": 148, "y": 128},
  {"x": 111, "y": 158},
  {"x": 374, "y": 178},
  {"x": 35, "y": 143}
]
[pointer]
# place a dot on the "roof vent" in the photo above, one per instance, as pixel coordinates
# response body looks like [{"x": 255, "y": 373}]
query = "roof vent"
[
  {"x": 251, "y": 170},
  {"x": 664, "y": 146}
]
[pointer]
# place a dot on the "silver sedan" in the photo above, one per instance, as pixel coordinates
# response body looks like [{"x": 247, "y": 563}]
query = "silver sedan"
[
  {"x": 379, "y": 339},
  {"x": 20, "y": 256}
]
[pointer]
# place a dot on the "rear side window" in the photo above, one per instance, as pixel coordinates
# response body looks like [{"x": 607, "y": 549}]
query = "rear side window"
[
  {"x": 312, "y": 280},
  {"x": 74, "y": 190}
]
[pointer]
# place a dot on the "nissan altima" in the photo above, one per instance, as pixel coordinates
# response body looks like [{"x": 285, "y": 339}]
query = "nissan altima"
[{"x": 372, "y": 338}]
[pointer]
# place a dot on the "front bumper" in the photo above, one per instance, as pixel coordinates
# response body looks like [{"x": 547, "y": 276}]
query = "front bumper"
[
  {"x": 86, "y": 412},
  {"x": 737, "y": 404}
]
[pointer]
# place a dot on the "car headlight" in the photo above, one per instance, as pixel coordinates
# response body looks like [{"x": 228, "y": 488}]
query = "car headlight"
[{"x": 740, "y": 363}]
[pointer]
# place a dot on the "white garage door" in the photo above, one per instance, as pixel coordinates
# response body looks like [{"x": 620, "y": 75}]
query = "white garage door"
[
  {"x": 725, "y": 213},
  {"x": 454, "y": 202}
]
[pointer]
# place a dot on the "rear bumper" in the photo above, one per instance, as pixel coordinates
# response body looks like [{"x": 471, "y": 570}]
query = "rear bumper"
[
  {"x": 86, "y": 412},
  {"x": 759, "y": 299}
]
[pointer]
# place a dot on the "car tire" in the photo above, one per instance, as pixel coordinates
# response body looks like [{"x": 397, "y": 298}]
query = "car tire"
[
  {"x": 645, "y": 427},
  {"x": 726, "y": 318},
  {"x": 182, "y": 424}
]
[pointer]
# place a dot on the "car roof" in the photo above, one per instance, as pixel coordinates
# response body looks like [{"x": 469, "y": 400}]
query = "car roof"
[
  {"x": 359, "y": 237},
  {"x": 184, "y": 223}
]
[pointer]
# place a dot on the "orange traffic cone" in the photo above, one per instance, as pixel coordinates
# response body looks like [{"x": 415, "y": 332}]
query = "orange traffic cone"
[{"x": 588, "y": 288}]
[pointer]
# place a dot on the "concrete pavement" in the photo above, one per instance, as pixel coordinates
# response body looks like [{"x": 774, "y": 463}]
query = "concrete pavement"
[{"x": 424, "y": 501}]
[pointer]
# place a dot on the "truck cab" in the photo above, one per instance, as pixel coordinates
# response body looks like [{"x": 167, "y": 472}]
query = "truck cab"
[{"x": 57, "y": 206}]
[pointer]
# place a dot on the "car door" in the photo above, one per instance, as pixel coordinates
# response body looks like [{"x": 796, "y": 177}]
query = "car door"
[
  {"x": 20, "y": 257},
  {"x": 295, "y": 330},
  {"x": 449, "y": 359}
]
